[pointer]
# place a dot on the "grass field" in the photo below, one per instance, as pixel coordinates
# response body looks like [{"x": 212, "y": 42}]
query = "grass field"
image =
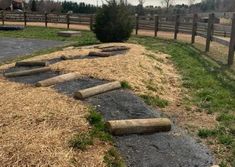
[
  {"x": 209, "y": 86},
  {"x": 86, "y": 37}
]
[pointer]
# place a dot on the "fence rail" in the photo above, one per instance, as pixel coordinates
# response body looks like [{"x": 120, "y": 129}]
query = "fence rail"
[{"x": 177, "y": 24}]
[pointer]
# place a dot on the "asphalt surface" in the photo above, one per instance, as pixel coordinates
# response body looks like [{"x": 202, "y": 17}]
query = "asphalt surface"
[{"x": 14, "y": 47}]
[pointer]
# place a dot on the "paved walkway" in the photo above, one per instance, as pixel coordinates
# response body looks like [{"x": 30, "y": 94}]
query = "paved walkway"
[{"x": 11, "y": 48}]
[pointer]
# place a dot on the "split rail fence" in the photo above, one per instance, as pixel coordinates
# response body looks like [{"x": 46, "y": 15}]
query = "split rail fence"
[{"x": 192, "y": 25}]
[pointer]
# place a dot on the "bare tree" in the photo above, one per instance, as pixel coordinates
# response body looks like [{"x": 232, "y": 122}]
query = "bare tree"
[
  {"x": 141, "y": 2},
  {"x": 167, "y": 3}
]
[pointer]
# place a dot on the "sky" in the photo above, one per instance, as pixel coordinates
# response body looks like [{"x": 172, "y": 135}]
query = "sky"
[{"x": 134, "y": 2}]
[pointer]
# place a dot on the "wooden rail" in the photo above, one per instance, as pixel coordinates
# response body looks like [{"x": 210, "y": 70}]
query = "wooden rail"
[{"x": 178, "y": 24}]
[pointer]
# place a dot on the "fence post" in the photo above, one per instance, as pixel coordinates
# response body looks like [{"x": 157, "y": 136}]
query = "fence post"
[
  {"x": 3, "y": 18},
  {"x": 46, "y": 19},
  {"x": 177, "y": 22},
  {"x": 194, "y": 28},
  {"x": 232, "y": 43},
  {"x": 25, "y": 19},
  {"x": 68, "y": 20},
  {"x": 91, "y": 22},
  {"x": 136, "y": 24},
  {"x": 156, "y": 19},
  {"x": 210, "y": 31}
]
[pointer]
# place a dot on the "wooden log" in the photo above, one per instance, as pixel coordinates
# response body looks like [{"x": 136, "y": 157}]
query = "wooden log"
[
  {"x": 101, "y": 54},
  {"x": 210, "y": 31},
  {"x": 138, "y": 126},
  {"x": 58, "y": 79},
  {"x": 194, "y": 28},
  {"x": 3, "y": 17},
  {"x": 32, "y": 63},
  {"x": 115, "y": 49},
  {"x": 232, "y": 43},
  {"x": 156, "y": 25},
  {"x": 136, "y": 24},
  {"x": 82, "y": 94},
  {"x": 68, "y": 20},
  {"x": 46, "y": 19},
  {"x": 25, "y": 19},
  {"x": 177, "y": 22},
  {"x": 27, "y": 72}
]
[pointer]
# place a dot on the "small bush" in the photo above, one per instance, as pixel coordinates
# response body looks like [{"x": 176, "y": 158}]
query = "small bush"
[{"x": 113, "y": 23}]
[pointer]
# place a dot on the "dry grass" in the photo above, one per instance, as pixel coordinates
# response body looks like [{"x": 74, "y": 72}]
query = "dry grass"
[{"x": 38, "y": 122}]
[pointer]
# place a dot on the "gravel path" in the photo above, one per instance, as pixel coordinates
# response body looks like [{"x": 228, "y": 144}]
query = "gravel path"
[{"x": 14, "y": 47}]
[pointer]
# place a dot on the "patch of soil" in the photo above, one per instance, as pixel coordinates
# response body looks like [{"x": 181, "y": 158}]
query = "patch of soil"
[{"x": 173, "y": 149}]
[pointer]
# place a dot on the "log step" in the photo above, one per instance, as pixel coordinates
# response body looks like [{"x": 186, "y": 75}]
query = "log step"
[
  {"x": 32, "y": 63},
  {"x": 85, "y": 93},
  {"x": 101, "y": 54},
  {"x": 27, "y": 72},
  {"x": 57, "y": 79},
  {"x": 138, "y": 126},
  {"x": 115, "y": 49}
]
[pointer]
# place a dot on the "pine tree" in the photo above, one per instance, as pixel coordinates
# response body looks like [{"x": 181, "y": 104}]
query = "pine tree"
[{"x": 33, "y": 6}]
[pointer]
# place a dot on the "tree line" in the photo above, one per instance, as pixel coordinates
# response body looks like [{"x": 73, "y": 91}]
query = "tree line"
[
  {"x": 168, "y": 6},
  {"x": 58, "y": 7}
]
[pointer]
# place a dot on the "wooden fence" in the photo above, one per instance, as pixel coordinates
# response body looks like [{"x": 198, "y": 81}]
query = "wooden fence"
[{"x": 192, "y": 25}]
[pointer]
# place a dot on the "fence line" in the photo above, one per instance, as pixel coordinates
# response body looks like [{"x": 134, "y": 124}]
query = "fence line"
[{"x": 190, "y": 25}]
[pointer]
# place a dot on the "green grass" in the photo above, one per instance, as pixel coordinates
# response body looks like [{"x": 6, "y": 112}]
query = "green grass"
[
  {"x": 125, "y": 85},
  {"x": 154, "y": 101},
  {"x": 204, "y": 133},
  {"x": 210, "y": 87},
  {"x": 86, "y": 37},
  {"x": 98, "y": 131},
  {"x": 113, "y": 159}
]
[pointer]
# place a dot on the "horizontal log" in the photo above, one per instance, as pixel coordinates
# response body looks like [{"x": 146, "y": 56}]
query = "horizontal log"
[
  {"x": 27, "y": 72},
  {"x": 32, "y": 63},
  {"x": 138, "y": 126},
  {"x": 115, "y": 49},
  {"x": 101, "y": 54},
  {"x": 85, "y": 93},
  {"x": 58, "y": 79}
]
